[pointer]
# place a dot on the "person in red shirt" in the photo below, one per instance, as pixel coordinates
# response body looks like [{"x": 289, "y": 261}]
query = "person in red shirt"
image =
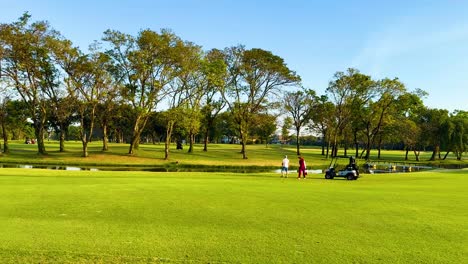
[{"x": 302, "y": 168}]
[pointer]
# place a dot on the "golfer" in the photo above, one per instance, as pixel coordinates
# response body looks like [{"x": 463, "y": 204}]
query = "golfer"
[
  {"x": 302, "y": 168},
  {"x": 285, "y": 167}
]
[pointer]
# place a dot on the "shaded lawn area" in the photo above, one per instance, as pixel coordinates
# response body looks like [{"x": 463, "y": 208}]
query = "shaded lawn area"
[{"x": 141, "y": 217}]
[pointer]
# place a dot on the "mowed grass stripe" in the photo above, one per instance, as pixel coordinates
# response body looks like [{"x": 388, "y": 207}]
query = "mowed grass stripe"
[{"x": 121, "y": 217}]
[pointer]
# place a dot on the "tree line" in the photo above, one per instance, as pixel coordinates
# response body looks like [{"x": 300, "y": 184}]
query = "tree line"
[{"x": 156, "y": 86}]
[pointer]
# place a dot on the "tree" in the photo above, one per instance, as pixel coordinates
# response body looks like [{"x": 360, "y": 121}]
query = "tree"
[
  {"x": 4, "y": 122},
  {"x": 108, "y": 103},
  {"x": 87, "y": 81},
  {"x": 349, "y": 92},
  {"x": 144, "y": 66},
  {"x": 264, "y": 126},
  {"x": 322, "y": 121},
  {"x": 407, "y": 121},
  {"x": 431, "y": 121},
  {"x": 29, "y": 68},
  {"x": 287, "y": 124},
  {"x": 171, "y": 116},
  {"x": 225, "y": 127},
  {"x": 16, "y": 119},
  {"x": 61, "y": 102},
  {"x": 62, "y": 115},
  {"x": 185, "y": 94},
  {"x": 191, "y": 84},
  {"x": 254, "y": 76},
  {"x": 387, "y": 93},
  {"x": 299, "y": 105},
  {"x": 215, "y": 75},
  {"x": 460, "y": 133}
]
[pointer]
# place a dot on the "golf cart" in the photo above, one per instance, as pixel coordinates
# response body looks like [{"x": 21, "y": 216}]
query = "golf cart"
[{"x": 350, "y": 172}]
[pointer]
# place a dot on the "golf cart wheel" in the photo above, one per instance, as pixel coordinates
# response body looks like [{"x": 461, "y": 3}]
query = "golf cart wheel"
[{"x": 350, "y": 176}]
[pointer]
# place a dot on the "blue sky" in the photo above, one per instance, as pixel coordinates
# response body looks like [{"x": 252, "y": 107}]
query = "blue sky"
[{"x": 423, "y": 43}]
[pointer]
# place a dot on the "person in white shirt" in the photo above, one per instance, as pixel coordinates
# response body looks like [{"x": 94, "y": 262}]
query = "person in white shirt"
[{"x": 285, "y": 167}]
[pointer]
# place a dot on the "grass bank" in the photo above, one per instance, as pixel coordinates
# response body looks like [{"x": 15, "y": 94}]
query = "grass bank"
[
  {"x": 217, "y": 156},
  {"x": 141, "y": 217}
]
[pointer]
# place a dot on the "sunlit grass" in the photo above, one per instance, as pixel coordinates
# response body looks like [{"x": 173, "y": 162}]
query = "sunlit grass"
[
  {"x": 142, "y": 217},
  {"x": 217, "y": 155}
]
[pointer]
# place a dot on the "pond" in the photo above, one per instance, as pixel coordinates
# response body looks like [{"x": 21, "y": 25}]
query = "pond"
[
  {"x": 366, "y": 168},
  {"x": 376, "y": 167},
  {"x": 140, "y": 168}
]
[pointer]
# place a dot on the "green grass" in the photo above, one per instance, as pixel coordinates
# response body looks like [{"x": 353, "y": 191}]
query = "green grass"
[
  {"x": 218, "y": 155},
  {"x": 142, "y": 217}
]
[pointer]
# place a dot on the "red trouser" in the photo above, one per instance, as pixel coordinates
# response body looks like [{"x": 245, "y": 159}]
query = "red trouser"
[{"x": 303, "y": 173}]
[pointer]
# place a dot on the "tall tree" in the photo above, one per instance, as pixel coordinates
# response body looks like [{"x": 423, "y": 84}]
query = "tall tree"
[
  {"x": 29, "y": 68},
  {"x": 407, "y": 121},
  {"x": 287, "y": 125},
  {"x": 349, "y": 92},
  {"x": 254, "y": 76},
  {"x": 387, "y": 93},
  {"x": 300, "y": 105},
  {"x": 4, "y": 102},
  {"x": 431, "y": 121},
  {"x": 215, "y": 75},
  {"x": 322, "y": 121},
  {"x": 458, "y": 135},
  {"x": 191, "y": 84},
  {"x": 144, "y": 65},
  {"x": 185, "y": 94},
  {"x": 87, "y": 83},
  {"x": 108, "y": 103},
  {"x": 264, "y": 126},
  {"x": 62, "y": 115}
]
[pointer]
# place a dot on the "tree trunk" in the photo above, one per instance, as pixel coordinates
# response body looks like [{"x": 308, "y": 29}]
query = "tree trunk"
[
  {"x": 205, "y": 144},
  {"x": 133, "y": 144},
  {"x": 85, "y": 149},
  {"x": 88, "y": 136},
  {"x": 166, "y": 148},
  {"x": 62, "y": 138},
  {"x": 6, "y": 148},
  {"x": 323, "y": 143},
  {"x": 368, "y": 148},
  {"x": 105, "y": 138},
  {"x": 406, "y": 155},
  {"x": 446, "y": 154},
  {"x": 244, "y": 155},
  {"x": 434, "y": 153},
  {"x": 191, "y": 141},
  {"x": 243, "y": 145},
  {"x": 39, "y": 132},
  {"x": 169, "y": 127},
  {"x": 356, "y": 144},
  {"x": 140, "y": 124},
  {"x": 380, "y": 147},
  {"x": 334, "y": 151},
  {"x": 362, "y": 153},
  {"x": 135, "y": 136},
  {"x": 297, "y": 142}
]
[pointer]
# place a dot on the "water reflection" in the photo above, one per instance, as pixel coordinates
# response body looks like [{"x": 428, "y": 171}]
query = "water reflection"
[
  {"x": 48, "y": 167},
  {"x": 367, "y": 168},
  {"x": 151, "y": 169}
]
